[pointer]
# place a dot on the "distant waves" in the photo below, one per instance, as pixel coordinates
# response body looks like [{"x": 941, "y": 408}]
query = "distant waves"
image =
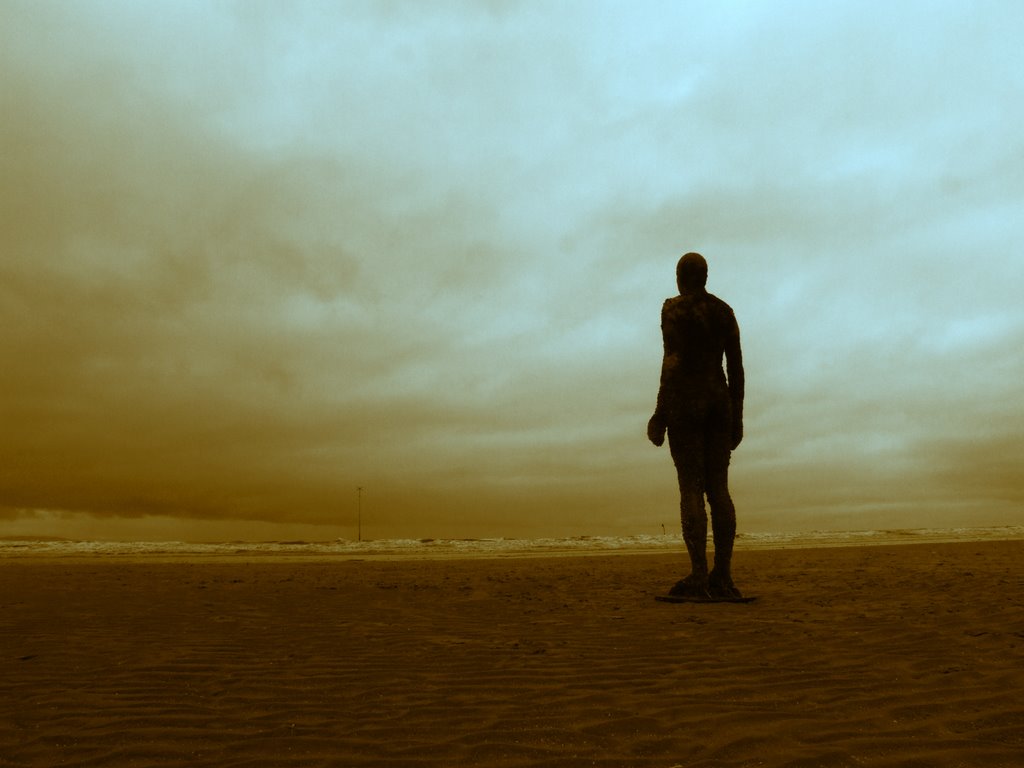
[{"x": 496, "y": 547}]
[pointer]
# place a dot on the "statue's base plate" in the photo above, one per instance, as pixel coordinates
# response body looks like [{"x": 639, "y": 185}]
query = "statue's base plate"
[{"x": 687, "y": 599}]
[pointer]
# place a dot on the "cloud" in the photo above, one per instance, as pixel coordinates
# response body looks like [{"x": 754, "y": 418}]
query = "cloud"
[{"x": 255, "y": 257}]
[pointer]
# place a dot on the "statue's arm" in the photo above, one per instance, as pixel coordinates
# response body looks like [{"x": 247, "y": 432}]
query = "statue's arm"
[
  {"x": 658, "y": 423},
  {"x": 734, "y": 371}
]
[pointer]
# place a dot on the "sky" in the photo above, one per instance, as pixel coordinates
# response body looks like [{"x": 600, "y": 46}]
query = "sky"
[{"x": 257, "y": 256}]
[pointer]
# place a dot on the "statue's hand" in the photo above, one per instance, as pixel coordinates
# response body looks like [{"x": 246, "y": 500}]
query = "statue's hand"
[
  {"x": 656, "y": 430},
  {"x": 737, "y": 434}
]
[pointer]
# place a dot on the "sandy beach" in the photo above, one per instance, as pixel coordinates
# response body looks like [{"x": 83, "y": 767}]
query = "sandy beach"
[{"x": 881, "y": 656}]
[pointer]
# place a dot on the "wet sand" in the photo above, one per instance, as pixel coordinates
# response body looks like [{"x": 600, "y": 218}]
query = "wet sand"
[{"x": 878, "y": 656}]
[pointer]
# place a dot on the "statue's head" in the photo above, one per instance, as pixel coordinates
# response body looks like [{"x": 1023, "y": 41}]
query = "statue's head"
[{"x": 691, "y": 272}]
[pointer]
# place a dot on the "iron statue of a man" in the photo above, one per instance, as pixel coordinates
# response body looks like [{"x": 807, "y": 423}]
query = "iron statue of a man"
[{"x": 700, "y": 406}]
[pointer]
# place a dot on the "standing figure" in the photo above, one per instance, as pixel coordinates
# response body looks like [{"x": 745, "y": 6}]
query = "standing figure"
[{"x": 702, "y": 412}]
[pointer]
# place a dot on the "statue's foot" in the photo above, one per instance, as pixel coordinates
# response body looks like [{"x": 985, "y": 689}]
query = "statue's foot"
[
  {"x": 720, "y": 585},
  {"x": 691, "y": 586}
]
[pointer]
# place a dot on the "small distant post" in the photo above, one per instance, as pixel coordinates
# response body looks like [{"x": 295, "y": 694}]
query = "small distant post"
[{"x": 360, "y": 514}]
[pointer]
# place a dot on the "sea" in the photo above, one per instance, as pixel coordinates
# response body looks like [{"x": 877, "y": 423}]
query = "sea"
[{"x": 346, "y": 549}]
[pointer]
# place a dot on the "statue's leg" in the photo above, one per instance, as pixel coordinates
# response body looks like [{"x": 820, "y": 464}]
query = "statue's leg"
[
  {"x": 723, "y": 512},
  {"x": 723, "y": 530},
  {"x": 688, "y": 455}
]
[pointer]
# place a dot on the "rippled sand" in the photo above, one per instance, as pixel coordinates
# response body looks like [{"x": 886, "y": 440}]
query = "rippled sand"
[{"x": 882, "y": 655}]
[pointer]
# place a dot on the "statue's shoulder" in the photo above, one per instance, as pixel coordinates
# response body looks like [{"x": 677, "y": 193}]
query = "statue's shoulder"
[
  {"x": 720, "y": 305},
  {"x": 673, "y": 308}
]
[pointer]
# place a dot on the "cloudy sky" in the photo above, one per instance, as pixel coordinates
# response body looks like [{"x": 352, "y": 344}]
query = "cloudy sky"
[{"x": 257, "y": 255}]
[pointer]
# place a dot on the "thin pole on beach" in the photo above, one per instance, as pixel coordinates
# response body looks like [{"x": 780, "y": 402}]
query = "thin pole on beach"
[{"x": 359, "y": 519}]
